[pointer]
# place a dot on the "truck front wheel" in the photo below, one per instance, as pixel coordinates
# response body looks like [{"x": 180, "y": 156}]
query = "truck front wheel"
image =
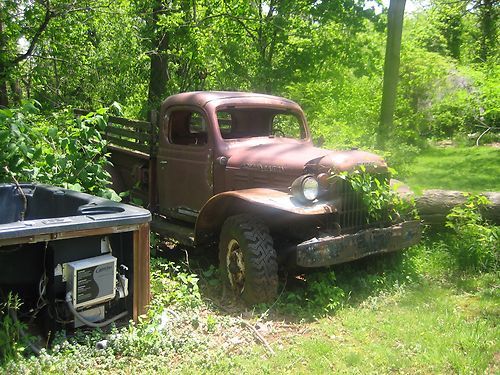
[{"x": 247, "y": 258}]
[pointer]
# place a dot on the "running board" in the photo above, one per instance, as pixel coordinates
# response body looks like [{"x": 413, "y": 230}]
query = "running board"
[{"x": 180, "y": 233}]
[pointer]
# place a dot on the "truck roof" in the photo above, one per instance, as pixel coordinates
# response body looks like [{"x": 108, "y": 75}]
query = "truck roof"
[{"x": 202, "y": 98}]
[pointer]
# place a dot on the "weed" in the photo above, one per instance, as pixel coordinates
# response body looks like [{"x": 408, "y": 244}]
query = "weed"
[
  {"x": 171, "y": 284},
  {"x": 10, "y": 345},
  {"x": 475, "y": 243},
  {"x": 381, "y": 201}
]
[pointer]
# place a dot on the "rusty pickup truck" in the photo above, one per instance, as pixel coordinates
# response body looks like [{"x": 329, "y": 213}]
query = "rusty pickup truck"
[{"x": 240, "y": 170}]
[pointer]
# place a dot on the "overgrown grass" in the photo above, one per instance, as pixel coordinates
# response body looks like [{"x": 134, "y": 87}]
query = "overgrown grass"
[
  {"x": 424, "y": 330},
  {"x": 412, "y": 312},
  {"x": 473, "y": 169}
]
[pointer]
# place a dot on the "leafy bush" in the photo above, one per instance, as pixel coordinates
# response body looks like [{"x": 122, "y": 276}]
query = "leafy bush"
[
  {"x": 381, "y": 201},
  {"x": 171, "y": 284},
  {"x": 58, "y": 149},
  {"x": 342, "y": 109},
  {"x": 476, "y": 243}
]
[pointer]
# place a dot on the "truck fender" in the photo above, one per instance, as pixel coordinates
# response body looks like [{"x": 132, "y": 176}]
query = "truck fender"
[{"x": 261, "y": 201}]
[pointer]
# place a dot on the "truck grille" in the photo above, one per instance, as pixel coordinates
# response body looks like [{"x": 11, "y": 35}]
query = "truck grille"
[{"x": 352, "y": 214}]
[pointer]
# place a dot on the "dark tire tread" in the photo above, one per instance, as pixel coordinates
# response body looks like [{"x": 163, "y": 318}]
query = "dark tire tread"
[{"x": 261, "y": 265}]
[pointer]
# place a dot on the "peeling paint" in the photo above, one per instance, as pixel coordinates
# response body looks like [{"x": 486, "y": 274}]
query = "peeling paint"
[{"x": 329, "y": 250}]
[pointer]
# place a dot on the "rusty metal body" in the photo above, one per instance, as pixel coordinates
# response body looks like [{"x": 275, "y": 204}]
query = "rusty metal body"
[{"x": 220, "y": 154}]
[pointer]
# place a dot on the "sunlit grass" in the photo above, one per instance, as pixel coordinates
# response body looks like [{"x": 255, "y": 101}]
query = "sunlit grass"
[
  {"x": 429, "y": 329},
  {"x": 473, "y": 169}
]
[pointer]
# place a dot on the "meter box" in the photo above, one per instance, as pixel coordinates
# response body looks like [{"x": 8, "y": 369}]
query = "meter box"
[{"x": 91, "y": 281}]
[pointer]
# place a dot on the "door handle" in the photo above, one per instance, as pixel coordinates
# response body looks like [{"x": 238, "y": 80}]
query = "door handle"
[{"x": 163, "y": 162}]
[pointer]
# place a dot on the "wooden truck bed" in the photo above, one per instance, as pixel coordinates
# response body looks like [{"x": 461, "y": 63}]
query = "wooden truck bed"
[{"x": 133, "y": 145}]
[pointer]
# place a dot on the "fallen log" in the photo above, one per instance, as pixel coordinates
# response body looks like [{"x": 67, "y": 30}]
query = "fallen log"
[{"x": 433, "y": 205}]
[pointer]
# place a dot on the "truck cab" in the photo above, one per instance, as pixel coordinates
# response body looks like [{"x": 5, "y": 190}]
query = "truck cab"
[{"x": 240, "y": 170}]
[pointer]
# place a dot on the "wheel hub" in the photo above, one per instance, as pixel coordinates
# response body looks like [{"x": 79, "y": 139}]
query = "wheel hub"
[{"x": 235, "y": 266}]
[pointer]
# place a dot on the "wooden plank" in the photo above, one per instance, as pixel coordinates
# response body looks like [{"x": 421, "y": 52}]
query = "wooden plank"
[
  {"x": 131, "y": 145},
  {"x": 141, "y": 271},
  {"x": 144, "y": 132},
  {"x": 132, "y": 153},
  {"x": 137, "y": 124},
  {"x": 134, "y": 135},
  {"x": 69, "y": 234}
]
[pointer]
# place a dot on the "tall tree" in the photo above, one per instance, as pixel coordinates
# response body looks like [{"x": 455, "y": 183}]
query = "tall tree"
[
  {"x": 46, "y": 46},
  {"x": 488, "y": 15},
  {"x": 391, "y": 70},
  {"x": 158, "y": 73}
]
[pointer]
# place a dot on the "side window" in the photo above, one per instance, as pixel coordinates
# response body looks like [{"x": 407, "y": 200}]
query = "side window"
[
  {"x": 187, "y": 128},
  {"x": 225, "y": 124}
]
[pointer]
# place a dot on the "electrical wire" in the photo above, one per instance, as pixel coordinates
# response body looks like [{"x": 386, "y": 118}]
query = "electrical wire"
[{"x": 69, "y": 302}]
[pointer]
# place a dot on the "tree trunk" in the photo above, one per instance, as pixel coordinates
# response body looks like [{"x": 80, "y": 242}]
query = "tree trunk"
[
  {"x": 434, "y": 205},
  {"x": 4, "y": 99},
  {"x": 391, "y": 70},
  {"x": 488, "y": 14},
  {"x": 16, "y": 92},
  {"x": 158, "y": 76}
]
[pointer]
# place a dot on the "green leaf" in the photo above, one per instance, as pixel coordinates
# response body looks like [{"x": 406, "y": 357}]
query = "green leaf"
[{"x": 52, "y": 132}]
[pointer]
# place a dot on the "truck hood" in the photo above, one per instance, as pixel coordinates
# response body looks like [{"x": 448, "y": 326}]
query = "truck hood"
[{"x": 298, "y": 158}]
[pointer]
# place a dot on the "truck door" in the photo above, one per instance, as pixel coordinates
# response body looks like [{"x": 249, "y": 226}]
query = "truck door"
[{"x": 185, "y": 180}]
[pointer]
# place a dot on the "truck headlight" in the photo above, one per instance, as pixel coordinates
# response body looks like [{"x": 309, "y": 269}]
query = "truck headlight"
[{"x": 305, "y": 188}]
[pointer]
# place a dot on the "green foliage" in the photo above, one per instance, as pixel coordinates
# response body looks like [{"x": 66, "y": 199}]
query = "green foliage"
[
  {"x": 476, "y": 243},
  {"x": 84, "y": 53},
  {"x": 443, "y": 92},
  {"x": 341, "y": 91},
  {"x": 342, "y": 108},
  {"x": 382, "y": 202},
  {"x": 170, "y": 284},
  {"x": 10, "y": 346},
  {"x": 58, "y": 150},
  {"x": 319, "y": 296}
]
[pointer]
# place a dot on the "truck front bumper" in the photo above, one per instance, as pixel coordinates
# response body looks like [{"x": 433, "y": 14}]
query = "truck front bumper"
[{"x": 329, "y": 250}]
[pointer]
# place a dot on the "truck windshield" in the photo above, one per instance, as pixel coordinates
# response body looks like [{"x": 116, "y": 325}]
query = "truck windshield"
[{"x": 237, "y": 123}]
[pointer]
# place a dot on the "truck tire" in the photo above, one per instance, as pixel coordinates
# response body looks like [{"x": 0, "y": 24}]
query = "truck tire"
[{"x": 247, "y": 259}]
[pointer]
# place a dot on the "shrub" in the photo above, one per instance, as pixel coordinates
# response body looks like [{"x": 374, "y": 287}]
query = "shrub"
[
  {"x": 320, "y": 295},
  {"x": 476, "y": 242},
  {"x": 56, "y": 149},
  {"x": 382, "y": 202}
]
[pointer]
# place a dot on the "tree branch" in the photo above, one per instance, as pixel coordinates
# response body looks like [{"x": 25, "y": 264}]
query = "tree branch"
[{"x": 48, "y": 16}]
